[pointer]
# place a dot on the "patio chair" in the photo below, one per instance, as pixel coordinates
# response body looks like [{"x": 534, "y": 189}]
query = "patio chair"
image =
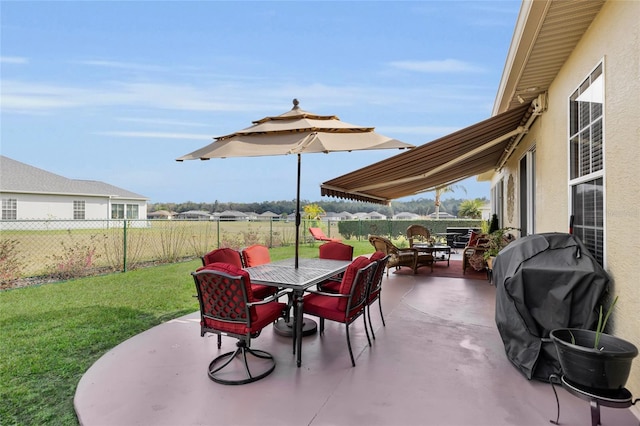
[
  {"x": 375, "y": 286},
  {"x": 336, "y": 251},
  {"x": 397, "y": 257},
  {"x": 318, "y": 235},
  {"x": 255, "y": 255},
  {"x": 473, "y": 252},
  {"x": 234, "y": 257},
  {"x": 417, "y": 234},
  {"x": 224, "y": 255},
  {"x": 348, "y": 304},
  {"x": 227, "y": 306}
]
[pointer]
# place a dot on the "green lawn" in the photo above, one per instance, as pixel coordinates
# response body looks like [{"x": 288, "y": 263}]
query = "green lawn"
[{"x": 51, "y": 334}]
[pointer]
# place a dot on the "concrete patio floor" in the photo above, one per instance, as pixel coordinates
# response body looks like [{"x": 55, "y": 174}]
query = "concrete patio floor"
[{"x": 438, "y": 361}]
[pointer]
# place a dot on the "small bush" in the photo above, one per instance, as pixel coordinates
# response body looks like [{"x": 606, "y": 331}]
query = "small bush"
[{"x": 10, "y": 265}]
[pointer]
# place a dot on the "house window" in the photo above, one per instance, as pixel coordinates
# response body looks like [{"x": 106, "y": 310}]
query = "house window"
[
  {"x": 78, "y": 210},
  {"x": 117, "y": 211},
  {"x": 527, "y": 193},
  {"x": 586, "y": 174},
  {"x": 132, "y": 211},
  {"x": 9, "y": 209},
  {"x": 498, "y": 201}
]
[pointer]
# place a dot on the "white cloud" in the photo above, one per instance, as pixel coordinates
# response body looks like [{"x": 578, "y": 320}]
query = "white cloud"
[
  {"x": 443, "y": 66},
  {"x": 157, "y": 135},
  {"x": 13, "y": 60}
]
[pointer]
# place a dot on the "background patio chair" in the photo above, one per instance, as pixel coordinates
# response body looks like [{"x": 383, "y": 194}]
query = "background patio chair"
[
  {"x": 336, "y": 251},
  {"x": 397, "y": 257},
  {"x": 255, "y": 255},
  {"x": 473, "y": 252},
  {"x": 224, "y": 255},
  {"x": 227, "y": 306},
  {"x": 234, "y": 257},
  {"x": 318, "y": 235},
  {"x": 346, "y": 305},
  {"x": 417, "y": 234}
]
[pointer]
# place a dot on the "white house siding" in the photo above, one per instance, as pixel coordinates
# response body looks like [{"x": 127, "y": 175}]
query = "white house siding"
[
  {"x": 46, "y": 212},
  {"x": 614, "y": 37}
]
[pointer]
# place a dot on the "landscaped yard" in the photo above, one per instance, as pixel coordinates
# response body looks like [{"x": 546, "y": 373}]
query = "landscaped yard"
[{"x": 51, "y": 334}]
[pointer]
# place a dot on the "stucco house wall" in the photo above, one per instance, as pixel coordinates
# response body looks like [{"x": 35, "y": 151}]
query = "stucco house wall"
[{"x": 614, "y": 39}]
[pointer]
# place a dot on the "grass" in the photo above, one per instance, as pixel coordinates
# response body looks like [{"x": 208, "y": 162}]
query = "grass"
[{"x": 52, "y": 333}]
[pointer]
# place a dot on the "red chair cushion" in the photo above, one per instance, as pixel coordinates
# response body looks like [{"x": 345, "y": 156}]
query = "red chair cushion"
[
  {"x": 256, "y": 255},
  {"x": 325, "y": 307},
  {"x": 331, "y": 286},
  {"x": 224, "y": 255},
  {"x": 376, "y": 256},
  {"x": 264, "y": 315},
  {"x": 348, "y": 277},
  {"x": 336, "y": 251},
  {"x": 261, "y": 291}
]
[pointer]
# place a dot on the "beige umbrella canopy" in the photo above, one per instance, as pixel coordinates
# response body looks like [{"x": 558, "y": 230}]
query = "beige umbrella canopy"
[{"x": 295, "y": 132}]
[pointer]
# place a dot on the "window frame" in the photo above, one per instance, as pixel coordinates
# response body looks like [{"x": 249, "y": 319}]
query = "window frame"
[
  {"x": 79, "y": 210},
  {"x": 579, "y": 175},
  {"x": 9, "y": 209}
]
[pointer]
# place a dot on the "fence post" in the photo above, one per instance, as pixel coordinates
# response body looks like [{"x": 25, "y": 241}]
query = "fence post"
[
  {"x": 270, "y": 232},
  {"x": 124, "y": 248},
  {"x": 218, "y": 237}
]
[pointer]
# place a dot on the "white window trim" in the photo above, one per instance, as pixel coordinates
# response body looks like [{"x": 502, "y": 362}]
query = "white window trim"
[{"x": 594, "y": 175}]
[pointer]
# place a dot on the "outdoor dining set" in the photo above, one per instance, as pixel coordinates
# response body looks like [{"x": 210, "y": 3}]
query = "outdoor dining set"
[{"x": 239, "y": 293}]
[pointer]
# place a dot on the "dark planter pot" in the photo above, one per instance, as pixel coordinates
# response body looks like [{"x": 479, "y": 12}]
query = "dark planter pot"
[{"x": 606, "y": 369}]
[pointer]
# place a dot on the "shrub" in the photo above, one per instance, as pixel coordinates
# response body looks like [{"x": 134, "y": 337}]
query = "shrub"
[{"x": 10, "y": 264}]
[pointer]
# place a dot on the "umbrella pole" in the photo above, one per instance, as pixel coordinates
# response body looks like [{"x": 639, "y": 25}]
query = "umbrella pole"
[{"x": 298, "y": 214}]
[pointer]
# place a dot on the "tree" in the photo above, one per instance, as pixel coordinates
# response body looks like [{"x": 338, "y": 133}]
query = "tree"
[
  {"x": 470, "y": 209},
  {"x": 442, "y": 190}
]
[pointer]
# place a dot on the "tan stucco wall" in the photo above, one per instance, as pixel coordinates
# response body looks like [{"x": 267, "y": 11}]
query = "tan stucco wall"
[{"x": 615, "y": 37}]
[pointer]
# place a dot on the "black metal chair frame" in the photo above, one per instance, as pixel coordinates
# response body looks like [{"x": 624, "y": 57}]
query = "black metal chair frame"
[
  {"x": 375, "y": 286},
  {"x": 244, "y": 340},
  {"x": 356, "y": 303}
]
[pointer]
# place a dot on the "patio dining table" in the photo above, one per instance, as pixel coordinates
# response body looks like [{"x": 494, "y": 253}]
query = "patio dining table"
[{"x": 284, "y": 274}]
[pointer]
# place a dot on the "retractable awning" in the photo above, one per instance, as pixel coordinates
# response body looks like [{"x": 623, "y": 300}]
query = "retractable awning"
[{"x": 468, "y": 152}]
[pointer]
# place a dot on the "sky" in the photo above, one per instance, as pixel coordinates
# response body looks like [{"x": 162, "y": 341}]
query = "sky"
[{"x": 115, "y": 91}]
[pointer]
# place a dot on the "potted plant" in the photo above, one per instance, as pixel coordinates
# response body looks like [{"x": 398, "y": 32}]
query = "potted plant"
[
  {"x": 496, "y": 241},
  {"x": 592, "y": 358}
]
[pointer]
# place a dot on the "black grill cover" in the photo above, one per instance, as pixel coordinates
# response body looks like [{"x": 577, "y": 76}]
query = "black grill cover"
[{"x": 543, "y": 282}]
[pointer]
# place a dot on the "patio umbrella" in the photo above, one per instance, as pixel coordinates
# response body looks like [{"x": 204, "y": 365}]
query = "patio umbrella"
[{"x": 295, "y": 132}]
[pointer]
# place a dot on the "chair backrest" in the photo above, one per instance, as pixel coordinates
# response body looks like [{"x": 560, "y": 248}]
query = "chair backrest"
[
  {"x": 255, "y": 255},
  {"x": 335, "y": 250},
  {"x": 223, "y": 255},
  {"x": 355, "y": 283},
  {"x": 350, "y": 283},
  {"x": 223, "y": 293},
  {"x": 380, "y": 259},
  {"x": 417, "y": 233},
  {"x": 382, "y": 244}
]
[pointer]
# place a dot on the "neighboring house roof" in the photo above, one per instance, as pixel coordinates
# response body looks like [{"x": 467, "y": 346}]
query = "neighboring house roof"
[
  {"x": 406, "y": 215},
  {"x": 268, "y": 214},
  {"x": 19, "y": 177},
  {"x": 232, "y": 213},
  {"x": 161, "y": 213},
  {"x": 441, "y": 215}
]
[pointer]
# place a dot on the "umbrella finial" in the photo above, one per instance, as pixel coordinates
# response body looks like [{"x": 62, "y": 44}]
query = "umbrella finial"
[{"x": 295, "y": 104}]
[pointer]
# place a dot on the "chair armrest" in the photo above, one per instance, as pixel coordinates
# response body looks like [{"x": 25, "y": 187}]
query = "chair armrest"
[
  {"x": 322, "y": 293},
  {"x": 270, "y": 298}
]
